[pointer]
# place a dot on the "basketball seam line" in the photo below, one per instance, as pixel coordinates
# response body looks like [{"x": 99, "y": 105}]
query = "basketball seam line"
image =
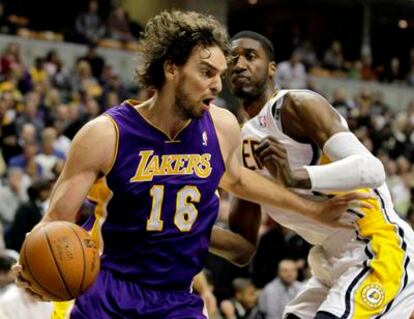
[
  {"x": 84, "y": 259},
  {"x": 34, "y": 277},
  {"x": 57, "y": 266}
]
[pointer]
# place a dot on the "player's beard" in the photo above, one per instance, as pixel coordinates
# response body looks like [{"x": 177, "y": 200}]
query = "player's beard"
[
  {"x": 253, "y": 91},
  {"x": 183, "y": 105}
]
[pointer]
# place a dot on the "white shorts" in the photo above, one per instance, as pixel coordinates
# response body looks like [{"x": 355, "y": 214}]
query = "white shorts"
[{"x": 370, "y": 275}]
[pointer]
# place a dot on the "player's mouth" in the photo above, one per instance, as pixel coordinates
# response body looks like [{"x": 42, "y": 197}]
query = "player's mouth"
[{"x": 206, "y": 103}]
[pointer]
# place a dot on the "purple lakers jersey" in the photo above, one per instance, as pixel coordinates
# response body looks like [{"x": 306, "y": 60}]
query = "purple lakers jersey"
[{"x": 162, "y": 200}]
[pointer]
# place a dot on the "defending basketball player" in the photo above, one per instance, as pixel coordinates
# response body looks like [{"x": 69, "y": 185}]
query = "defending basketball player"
[
  {"x": 356, "y": 274},
  {"x": 155, "y": 168}
]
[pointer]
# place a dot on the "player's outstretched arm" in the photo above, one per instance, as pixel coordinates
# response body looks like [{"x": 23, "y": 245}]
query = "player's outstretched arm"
[{"x": 250, "y": 186}]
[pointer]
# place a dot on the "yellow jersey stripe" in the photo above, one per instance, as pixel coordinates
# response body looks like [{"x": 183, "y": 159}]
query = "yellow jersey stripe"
[
  {"x": 62, "y": 309},
  {"x": 386, "y": 270}
]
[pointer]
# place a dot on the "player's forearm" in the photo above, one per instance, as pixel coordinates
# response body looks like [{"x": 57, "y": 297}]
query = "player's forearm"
[
  {"x": 66, "y": 200},
  {"x": 356, "y": 171},
  {"x": 231, "y": 246},
  {"x": 257, "y": 189}
]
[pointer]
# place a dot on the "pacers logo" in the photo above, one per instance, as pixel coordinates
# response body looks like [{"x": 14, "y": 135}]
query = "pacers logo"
[{"x": 373, "y": 295}]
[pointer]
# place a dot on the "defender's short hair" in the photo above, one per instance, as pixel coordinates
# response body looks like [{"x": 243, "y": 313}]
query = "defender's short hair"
[{"x": 265, "y": 42}]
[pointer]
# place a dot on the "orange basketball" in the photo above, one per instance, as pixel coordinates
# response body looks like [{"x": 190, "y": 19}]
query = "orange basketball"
[{"x": 60, "y": 260}]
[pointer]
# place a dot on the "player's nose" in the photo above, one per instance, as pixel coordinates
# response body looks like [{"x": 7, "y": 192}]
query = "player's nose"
[{"x": 216, "y": 85}]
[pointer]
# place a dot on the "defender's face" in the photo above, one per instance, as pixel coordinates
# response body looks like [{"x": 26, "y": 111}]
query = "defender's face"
[
  {"x": 249, "y": 69},
  {"x": 199, "y": 80}
]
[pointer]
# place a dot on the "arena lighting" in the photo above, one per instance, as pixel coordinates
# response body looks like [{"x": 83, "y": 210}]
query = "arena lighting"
[
  {"x": 253, "y": 1},
  {"x": 403, "y": 24}
]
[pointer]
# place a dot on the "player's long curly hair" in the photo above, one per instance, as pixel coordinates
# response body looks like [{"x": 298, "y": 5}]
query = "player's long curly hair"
[{"x": 172, "y": 35}]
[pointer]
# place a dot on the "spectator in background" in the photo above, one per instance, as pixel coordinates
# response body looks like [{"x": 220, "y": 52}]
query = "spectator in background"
[
  {"x": 343, "y": 105},
  {"x": 12, "y": 194},
  {"x": 88, "y": 25},
  {"x": 393, "y": 72},
  {"x": 32, "y": 113},
  {"x": 29, "y": 152},
  {"x": 50, "y": 160},
  {"x": 291, "y": 74},
  {"x": 38, "y": 72},
  {"x": 15, "y": 303},
  {"x": 6, "y": 274},
  {"x": 8, "y": 130},
  {"x": 29, "y": 213},
  {"x": 83, "y": 80},
  {"x": 96, "y": 62},
  {"x": 368, "y": 72},
  {"x": 118, "y": 25},
  {"x": 333, "y": 58},
  {"x": 10, "y": 58},
  {"x": 280, "y": 291},
  {"x": 243, "y": 304},
  {"x": 308, "y": 54}
]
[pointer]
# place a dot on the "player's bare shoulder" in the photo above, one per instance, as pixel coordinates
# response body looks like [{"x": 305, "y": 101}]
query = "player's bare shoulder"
[
  {"x": 298, "y": 100},
  {"x": 96, "y": 143},
  {"x": 227, "y": 128}
]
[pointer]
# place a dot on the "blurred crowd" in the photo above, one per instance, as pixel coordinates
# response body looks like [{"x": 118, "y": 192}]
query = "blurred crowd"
[
  {"x": 304, "y": 61},
  {"x": 44, "y": 104},
  {"x": 92, "y": 25}
]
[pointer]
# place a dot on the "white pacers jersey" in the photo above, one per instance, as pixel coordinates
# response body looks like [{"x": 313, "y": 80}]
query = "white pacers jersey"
[{"x": 354, "y": 273}]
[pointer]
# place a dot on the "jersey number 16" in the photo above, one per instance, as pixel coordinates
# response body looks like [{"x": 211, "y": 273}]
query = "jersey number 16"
[{"x": 185, "y": 213}]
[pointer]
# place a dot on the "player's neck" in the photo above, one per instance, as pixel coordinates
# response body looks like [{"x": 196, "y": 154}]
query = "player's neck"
[
  {"x": 159, "y": 111},
  {"x": 254, "y": 106}
]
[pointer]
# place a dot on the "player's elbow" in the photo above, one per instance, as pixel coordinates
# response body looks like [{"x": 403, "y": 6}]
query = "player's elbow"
[
  {"x": 372, "y": 171},
  {"x": 245, "y": 257}
]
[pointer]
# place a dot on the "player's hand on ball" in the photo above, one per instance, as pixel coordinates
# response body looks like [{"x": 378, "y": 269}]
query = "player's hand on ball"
[{"x": 24, "y": 283}]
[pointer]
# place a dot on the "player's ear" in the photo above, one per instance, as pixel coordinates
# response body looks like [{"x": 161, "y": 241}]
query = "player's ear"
[
  {"x": 272, "y": 69},
  {"x": 170, "y": 70}
]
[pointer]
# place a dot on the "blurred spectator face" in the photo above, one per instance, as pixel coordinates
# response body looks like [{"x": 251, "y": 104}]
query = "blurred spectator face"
[
  {"x": 287, "y": 272},
  {"x": 32, "y": 103},
  {"x": 84, "y": 69},
  {"x": 93, "y": 6},
  {"x": 28, "y": 134},
  {"x": 247, "y": 296},
  {"x": 31, "y": 169},
  {"x": 49, "y": 135},
  {"x": 52, "y": 98},
  {"x": 395, "y": 65},
  {"x": 336, "y": 47},
  {"x": 6, "y": 275},
  {"x": 30, "y": 150},
  {"x": 14, "y": 179},
  {"x": 250, "y": 68},
  {"x": 295, "y": 58},
  {"x": 403, "y": 165},
  {"x": 339, "y": 95},
  {"x": 7, "y": 100},
  {"x": 112, "y": 99},
  {"x": 74, "y": 112},
  {"x": 92, "y": 108}
]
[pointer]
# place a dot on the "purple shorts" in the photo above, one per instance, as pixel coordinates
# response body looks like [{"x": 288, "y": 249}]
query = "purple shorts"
[{"x": 114, "y": 298}]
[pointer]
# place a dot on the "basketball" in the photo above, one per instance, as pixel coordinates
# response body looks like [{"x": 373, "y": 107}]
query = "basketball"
[{"x": 60, "y": 259}]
